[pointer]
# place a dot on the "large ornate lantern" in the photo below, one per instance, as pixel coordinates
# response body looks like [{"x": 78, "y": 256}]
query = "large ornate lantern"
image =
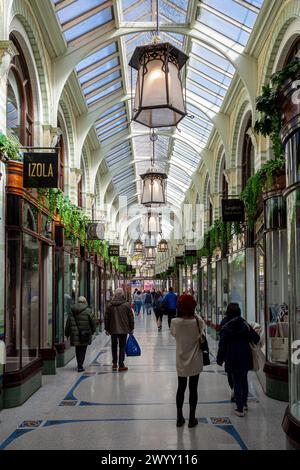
[
  {"x": 162, "y": 246},
  {"x": 138, "y": 246},
  {"x": 159, "y": 98}
]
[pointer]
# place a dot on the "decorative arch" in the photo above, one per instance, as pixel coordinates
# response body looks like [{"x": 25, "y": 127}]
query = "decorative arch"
[
  {"x": 218, "y": 168},
  {"x": 69, "y": 129},
  {"x": 21, "y": 11},
  {"x": 86, "y": 167},
  {"x": 245, "y": 108},
  {"x": 289, "y": 14}
]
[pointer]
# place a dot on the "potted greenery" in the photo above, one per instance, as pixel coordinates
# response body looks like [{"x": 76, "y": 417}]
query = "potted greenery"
[{"x": 11, "y": 155}]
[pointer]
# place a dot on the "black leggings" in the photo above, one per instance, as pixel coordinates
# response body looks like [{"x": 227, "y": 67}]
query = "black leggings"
[{"x": 193, "y": 386}]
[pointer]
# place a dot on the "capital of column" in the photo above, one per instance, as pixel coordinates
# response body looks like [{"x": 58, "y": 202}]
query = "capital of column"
[{"x": 7, "y": 52}]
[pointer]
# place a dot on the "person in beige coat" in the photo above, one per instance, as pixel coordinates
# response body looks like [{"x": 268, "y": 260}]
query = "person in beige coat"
[{"x": 187, "y": 329}]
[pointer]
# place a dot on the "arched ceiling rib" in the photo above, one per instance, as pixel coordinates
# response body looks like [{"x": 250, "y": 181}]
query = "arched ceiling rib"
[{"x": 214, "y": 35}]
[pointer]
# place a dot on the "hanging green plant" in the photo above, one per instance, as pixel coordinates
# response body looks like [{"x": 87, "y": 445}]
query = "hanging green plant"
[
  {"x": 257, "y": 183},
  {"x": 10, "y": 147},
  {"x": 267, "y": 104}
]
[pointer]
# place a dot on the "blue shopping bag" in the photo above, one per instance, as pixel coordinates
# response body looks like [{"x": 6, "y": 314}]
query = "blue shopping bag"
[{"x": 132, "y": 347}]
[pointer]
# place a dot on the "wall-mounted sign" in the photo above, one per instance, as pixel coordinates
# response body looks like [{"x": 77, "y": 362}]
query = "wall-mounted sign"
[
  {"x": 114, "y": 250},
  {"x": 189, "y": 252},
  {"x": 40, "y": 170},
  {"x": 95, "y": 231},
  {"x": 122, "y": 260},
  {"x": 179, "y": 260},
  {"x": 233, "y": 210}
]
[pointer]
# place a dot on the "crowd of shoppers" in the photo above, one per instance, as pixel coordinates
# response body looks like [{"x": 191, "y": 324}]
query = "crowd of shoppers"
[{"x": 236, "y": 337}]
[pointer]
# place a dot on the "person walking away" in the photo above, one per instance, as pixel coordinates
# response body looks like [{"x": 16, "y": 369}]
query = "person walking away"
[
  {"x": 79, "y": 328},
  {"x": 234, "y": 349},
  {"x": 157, "y": 302},
  {"x": 119, "y": 322},
  {"x": 138, "y": 302},
  {"x": 170, "y": 304},
  {"x": 229, "y": 376},
  {"x": 143, "y": 296},
  {"x": 148, "y": 303},
  {"x": 132, "y": 298},
  {"x": 187, "y": 330}
]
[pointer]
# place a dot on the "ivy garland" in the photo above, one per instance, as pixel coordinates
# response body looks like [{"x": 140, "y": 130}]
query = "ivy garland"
[
  {"x": 267, "y": 104},
  {"x": 256, "y": 184},
  {"x": 73, "y": 218},
  {"x": 218, "y": 236}
]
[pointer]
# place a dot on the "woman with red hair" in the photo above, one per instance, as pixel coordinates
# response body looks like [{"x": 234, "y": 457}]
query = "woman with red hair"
[{"x": 187, "y": 328}]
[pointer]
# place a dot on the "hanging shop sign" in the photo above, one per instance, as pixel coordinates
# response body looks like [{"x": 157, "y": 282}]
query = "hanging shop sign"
[
  {"x": 233, "y": 210},
  {"x": 114, "y": 250},
  {"x": 190, "y": 252},
  {"x": 95, "y": 231},
  {"x": 40, "y": 170},
  {"x": 123, "y": 260}
]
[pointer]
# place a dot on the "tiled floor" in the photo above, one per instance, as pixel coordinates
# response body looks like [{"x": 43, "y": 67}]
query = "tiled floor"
[{"x": 101, "y": 409}]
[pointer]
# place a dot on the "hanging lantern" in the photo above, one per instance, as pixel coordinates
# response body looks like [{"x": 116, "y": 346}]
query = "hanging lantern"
[
  {"x": 138, "y": 246},
  {"x": 150, "y": 252},
  {"x": 154, "y": 187},
  {"x": 159, "y": 98},
  {"x": 152, "y": 223},
  {"x": 163, "y": 246}
]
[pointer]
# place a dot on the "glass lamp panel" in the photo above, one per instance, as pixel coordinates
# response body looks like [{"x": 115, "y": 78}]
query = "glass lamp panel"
[
  {"x": 159, "y": 117},
  {"x": 154, "y": 86},
  {"x": 146, "y": 196},
  {"x": 175, "y": 89}
]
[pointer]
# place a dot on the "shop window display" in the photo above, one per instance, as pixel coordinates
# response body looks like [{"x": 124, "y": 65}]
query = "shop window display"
[
  {"x": 13, "y": 301},
  {"x": 30, "y": 299},
  {"x": 276, "y": 281},
  {"x": 236, "y": 268},
  {"x": 260, "y": 293},
  {"x": 293, "y": 205}
]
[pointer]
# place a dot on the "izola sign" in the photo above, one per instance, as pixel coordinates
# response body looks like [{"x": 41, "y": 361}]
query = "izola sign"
[{"x": 40, "y": 170}]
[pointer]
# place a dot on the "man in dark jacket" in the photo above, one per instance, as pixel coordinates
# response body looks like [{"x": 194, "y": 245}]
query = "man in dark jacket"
[
  {"x": 80, "y": 327},
  {"x": 234, "y": 348},
  {"x": 170, "y": 304},
  {"x": 119, "y": 322}
]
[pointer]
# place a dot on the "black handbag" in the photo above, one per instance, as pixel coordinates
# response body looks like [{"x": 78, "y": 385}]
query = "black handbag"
[{"x": 204, "y": 347}]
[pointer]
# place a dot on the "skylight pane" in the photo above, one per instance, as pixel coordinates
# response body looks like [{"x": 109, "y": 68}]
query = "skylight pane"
[
  {"x": 104, "y": 93},
  {"x": 233, "y": 10},
  {"x": 88, "y": 25},
  {"x": 114, "y": 116},
  {"x": 224, "y": 27},
  {"x": 100, "y": 70},
  {"x": 78, "y": 8},
  {"x": 101, "y": 83},
  {"x": 111, "y": 110},
  {"x": 97, "y": 56}
]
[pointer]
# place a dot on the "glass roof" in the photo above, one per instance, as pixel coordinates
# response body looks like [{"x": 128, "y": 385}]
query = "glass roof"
[{"x": 104, "y": 75}]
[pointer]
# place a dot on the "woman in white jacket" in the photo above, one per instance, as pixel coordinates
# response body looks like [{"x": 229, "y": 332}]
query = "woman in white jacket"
[{"x": 187, "y": 329}]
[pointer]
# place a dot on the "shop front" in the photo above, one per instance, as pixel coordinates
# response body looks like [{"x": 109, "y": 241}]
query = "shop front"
[
  {"x": 29, "y": 323},
  {"x": 291, "y": 139}
]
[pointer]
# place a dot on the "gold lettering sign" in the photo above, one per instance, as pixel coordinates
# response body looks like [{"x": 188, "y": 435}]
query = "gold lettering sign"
[{"x": 40, "y": 170}]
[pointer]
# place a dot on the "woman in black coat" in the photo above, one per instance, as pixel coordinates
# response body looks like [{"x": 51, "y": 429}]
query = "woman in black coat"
[{"x": 234, "y": 349}]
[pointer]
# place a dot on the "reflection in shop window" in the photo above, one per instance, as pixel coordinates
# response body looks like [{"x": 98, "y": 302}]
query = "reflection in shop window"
[{"x": 30, "y": 299}]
